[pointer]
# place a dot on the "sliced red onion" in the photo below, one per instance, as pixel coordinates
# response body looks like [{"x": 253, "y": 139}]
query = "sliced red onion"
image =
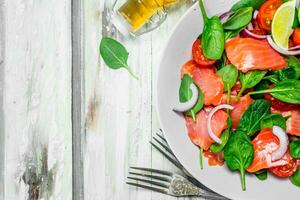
[
  {"x": 225, "y": 16},
  {"x": 294, "y": 48},
  {"x": 208, "y": 123},
  {"x": 247, "y": 33},
  {"x": 183, "y": 107},
  {"x": 280, "y": 50},
  {"x": 283, "y": 143},
  {"x": 255, "y": 14},
  {"x": 250, "y": 26}
]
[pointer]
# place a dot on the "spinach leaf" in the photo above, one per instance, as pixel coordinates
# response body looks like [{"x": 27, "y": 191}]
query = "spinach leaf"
[
  {"x": 252, "y": 117},
  {"x": 295, "y": 64},
  {"x": 250, "y": 79},
  {"x": 255, "y": 4},
  {"x": 295, "y": 148},
  {"x": 273, "y": 120},
  {"x": 212, "y": 39},
  {"x": 185, "y": 93},
  {"x": 273, "y": 78},
  {"x": 287, "y": 91},
  {"x": 233, "y": 33},
  {"x": 217, "y": 148},
  {"x": 229, "y": 75},
  {"x": 295, "y": 178},
  {"x": 287, "y": 73},
  {"x": 296, "y": 21},
  {"x": 239, "y": 153},
  {"x": 260, "y": 86},
  {"x": 262, "y": 175},
  {"x": 239, "y": 19},
  {"x": 114, "y": 54}
]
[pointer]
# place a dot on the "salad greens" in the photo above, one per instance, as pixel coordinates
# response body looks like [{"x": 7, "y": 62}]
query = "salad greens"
[
  {"x": 114, "y": 54},
  {"x": 295, "y": 178},
  {"x": 229, "y": 75},
  {"x": 252, "y": 117},
  {"x": 262, "y": 175},
  {"x": 273, "y": 120},
  {"x": 250, "y": 79},
  {"x": 294, "y": 63},
  {"x": 239, "y": 19},
  {"x": 260, "y": 86},
  {"x": 239, "y": 153},
  {"x": 212, "y": 39},
  {"x": 295, "y": 148},
  {"x": 185, "y": 93},
  {"x": 255, "y": 4},
  {"x": 286, "y": 91},
  {"x": 217, "y": 148}
]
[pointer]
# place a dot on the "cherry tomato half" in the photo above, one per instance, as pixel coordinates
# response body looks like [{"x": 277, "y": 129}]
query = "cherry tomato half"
[
  {"x": 266, "y": 13},
  {"x": 256, "y": 29},
  {"x": 198, "y": 55},
  {"x": 285, "y": 170},
  {"x": 296, "y": 37}
]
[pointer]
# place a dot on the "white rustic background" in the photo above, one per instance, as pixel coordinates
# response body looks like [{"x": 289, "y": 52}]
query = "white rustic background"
[{"x": 40, "y": 43}]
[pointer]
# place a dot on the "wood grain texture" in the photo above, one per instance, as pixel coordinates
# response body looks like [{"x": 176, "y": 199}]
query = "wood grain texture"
[{"x": 37, "y": 99}]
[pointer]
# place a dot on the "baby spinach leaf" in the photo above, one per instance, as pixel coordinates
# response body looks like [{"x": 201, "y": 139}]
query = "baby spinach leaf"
[
  {"x": 185, "y": 94},
  {"x": 232, "y": 33},
  {"x": 255, "y": 4},
  {"x": 114, "y": 54},
  {"x": 240, "y": 18},
  {"x": 262, "y": 175},
  {"x": 295, "y": 148},
  {"x": 239, "y": 153},
  {"x": 295, "y": 64},
  {"x": 212, "y": 39},
  {"x": 273, "y": 78},
  {"x": 296, "y": 21},
  {"x": 287, "y": 73},
  {"x": 273, "y": 120},
  {"x": 229, "y": 75},
  {"x": 252, "y": 117},
  {"x": 250, "y": 79},
  {"x": 287, "y": 91},
  {"x": 295, "y": 178},
  {"x": 217, "y": 148},
  {"x": 260, "y": 86}
]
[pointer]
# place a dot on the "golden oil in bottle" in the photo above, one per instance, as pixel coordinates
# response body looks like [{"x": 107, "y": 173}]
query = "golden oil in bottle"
[{"x": 138, "y": 12}]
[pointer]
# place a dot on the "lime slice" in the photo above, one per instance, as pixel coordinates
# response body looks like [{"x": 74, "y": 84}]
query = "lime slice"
[{"x": 282, "y": 24}]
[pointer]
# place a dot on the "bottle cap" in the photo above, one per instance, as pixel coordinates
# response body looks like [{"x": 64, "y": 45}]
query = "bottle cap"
[{"x": 121, "y": 24}]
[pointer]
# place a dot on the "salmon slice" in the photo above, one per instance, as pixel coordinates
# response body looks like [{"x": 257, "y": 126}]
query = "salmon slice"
[
  {"x": 265, "y": 143},
  {"x": 214, "y": 159},
  {"x": 207, "y": 80},
  {"x": 293, "y": 123},
  {"x": 251, "y": 54},
  {"x": 240, "y": 107},
  {"x": 198, "y": 131}
]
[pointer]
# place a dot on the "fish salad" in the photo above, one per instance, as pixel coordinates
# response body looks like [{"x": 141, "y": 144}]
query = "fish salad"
[{"x": 240, "y": 93}]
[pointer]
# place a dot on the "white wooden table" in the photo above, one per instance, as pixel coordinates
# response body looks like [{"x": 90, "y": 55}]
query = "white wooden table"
[{"x": 51, "y": 75}]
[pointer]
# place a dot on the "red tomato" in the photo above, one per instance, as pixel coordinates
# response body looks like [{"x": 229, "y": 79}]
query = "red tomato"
[
  {"x": 296, "y": 37},
  {"x": 266, "y": 13},
  {"x": 256, "y": 29},
  {"x": 279, "y": 105},
  {"x": 285, "y": 170},
  {"x": 198, "y": 55}
]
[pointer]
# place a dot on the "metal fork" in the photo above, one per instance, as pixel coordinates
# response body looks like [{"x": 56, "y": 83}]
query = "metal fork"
[{"x": 167, "y": 183}]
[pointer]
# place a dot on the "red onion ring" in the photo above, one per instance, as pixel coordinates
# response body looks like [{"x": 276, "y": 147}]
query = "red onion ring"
[
  {"x": 225, "y": 16},
  {"x": 280, "y": 50},
  {"x": 247, "y": 33},
  {"x": 283, "y": 143},
  {"x": 183, "y": 107}
]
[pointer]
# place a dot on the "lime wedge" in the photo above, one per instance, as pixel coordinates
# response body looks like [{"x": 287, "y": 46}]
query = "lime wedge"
[{"x": 282, "y": 24}]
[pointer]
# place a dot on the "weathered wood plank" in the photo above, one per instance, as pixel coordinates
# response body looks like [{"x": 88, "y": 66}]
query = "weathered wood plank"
[{"x": 37, "y": 100}]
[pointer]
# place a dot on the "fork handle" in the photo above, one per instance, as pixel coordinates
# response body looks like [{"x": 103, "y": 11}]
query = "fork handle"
[{"x": 210, "y": 195}]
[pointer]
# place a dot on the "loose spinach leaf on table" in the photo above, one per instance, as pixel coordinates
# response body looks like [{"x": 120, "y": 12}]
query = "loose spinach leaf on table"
[
  {"x": 114, "y": 54},
  {"x": 255, "y": 4},
  {"x": 252, "y": 117},
  {"x": 250, "y": 79},
  {"x": 287, "y": 91},
  {"x": 212, "y": 39},
  {"x": 262, "y": 175},
  {"x": 295, "y": 178},
  {"x": 273, "y": 120},
  {"x": 239, "y": 153},
  {"x": 185, "y": 94},
  {"x": 229, "y": 75},
  {"x": 239, "y": 19},
  {"x": 295, "y": 148}
]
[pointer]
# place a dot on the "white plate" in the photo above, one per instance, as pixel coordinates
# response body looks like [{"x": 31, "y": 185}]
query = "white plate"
[{"x": 219, "y": 179}]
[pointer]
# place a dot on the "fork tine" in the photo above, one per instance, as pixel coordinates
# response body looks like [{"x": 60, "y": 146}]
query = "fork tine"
[
  {"x": 175, "y": 162},
  {"x": 164, "y": 185},
  {"x": 161, "y": 137},
  {"x": 164, "y": 191},
  {"x": 166, "y": 179},
  {"x": 153, "y": 170},
  {"x": 164, "y": 146}
]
